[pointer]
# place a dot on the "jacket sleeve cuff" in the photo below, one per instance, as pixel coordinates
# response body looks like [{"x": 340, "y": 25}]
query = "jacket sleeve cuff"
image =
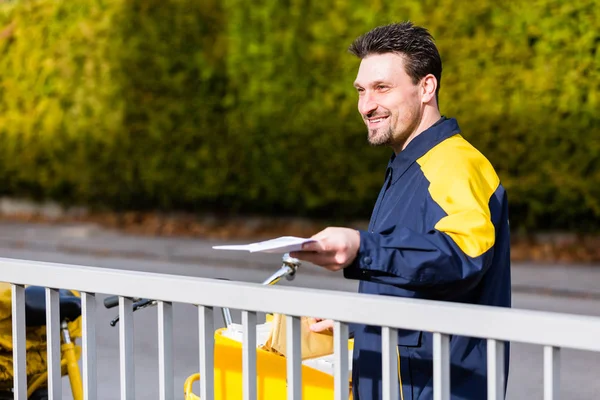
[{"x": 362, "y": 266}]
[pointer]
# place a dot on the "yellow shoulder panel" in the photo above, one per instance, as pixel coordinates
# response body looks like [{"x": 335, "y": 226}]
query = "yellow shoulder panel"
[{"x": 461, "y": 182}]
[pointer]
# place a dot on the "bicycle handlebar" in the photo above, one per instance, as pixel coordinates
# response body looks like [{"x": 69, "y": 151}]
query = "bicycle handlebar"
[
  {"x": 111, "y": 301},
  {"x": 137, "y": 305},
  {"x": 287, "y": 270}
]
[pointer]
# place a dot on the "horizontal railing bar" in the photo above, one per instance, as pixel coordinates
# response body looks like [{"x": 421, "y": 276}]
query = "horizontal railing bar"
[{"x": 515, "y": 325}]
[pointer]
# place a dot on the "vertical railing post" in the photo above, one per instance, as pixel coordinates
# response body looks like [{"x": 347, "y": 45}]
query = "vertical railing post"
[
  {"x": 18, "y": 334},
  {"x": 206, "y": 332},
  {"x": 495, "y": 369},
  {"x": 165, "y": 350},
  {"x": 53, "y": 344},
  {"x": 293, "y": 358},
  {"x": 126, "y": 348},
  {"x": 551, "y": 373},
  {"x": 88, "y": 336},
  {"x": 389, "y": 353},
  {"x": 249, "y": 355},
  {"x": 441, "y": 366},
  {"x": 340, "y": 351}
]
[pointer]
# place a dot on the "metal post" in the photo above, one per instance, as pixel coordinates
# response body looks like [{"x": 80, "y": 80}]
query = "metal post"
[
  {"x": 293, "y": 358},
  {"x": 389, "y": 353},
  {"x": 340, "y": 351},
  {"x": 126, "y": 348},
  {"x": 53, "y": 344},
  {"x": 495, "y": 369},
  {"x": 88, "y": 312},
  {"x": 441, "y": 366},
  {"x": 207, "y": 377},
  {"x": 18, "y": 333},
  {"x": 165, "y": 350},
  {"x": 551, "y": 373},
  {"x": 249, "y": 355}
]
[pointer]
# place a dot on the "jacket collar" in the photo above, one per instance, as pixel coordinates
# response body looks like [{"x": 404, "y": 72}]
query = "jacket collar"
[{"x": 425, "y": 141}]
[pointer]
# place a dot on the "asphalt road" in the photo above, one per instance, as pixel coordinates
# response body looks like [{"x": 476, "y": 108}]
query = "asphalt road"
[{"x": 578, "y": 374}]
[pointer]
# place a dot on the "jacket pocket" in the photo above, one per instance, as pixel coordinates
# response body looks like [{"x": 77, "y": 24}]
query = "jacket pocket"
[{"x": 408, "y": 338}]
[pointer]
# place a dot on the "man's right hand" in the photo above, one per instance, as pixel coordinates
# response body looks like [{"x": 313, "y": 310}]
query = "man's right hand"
[{"x": 322, "y": 325}]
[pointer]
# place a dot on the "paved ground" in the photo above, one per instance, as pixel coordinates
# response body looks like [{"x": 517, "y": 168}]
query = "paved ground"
[{"x": 561, "y": 288}]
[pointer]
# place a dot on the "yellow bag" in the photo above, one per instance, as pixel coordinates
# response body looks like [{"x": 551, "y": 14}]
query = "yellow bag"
[
  {"x": 313, "y": 344},
  {"x": 35, "y": 342}
]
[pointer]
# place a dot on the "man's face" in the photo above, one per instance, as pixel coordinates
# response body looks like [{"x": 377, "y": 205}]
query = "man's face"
[{"x": 389, "y": 102}]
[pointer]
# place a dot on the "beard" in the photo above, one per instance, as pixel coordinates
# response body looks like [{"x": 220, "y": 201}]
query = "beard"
[
  {"x": 387, "y": 136},
  {"x": 380, "y": 136}
]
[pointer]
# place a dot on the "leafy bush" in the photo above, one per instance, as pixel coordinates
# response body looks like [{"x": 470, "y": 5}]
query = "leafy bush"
[
  {"x": 112, "y": 103},
  {"x": 244, "y": 106}
]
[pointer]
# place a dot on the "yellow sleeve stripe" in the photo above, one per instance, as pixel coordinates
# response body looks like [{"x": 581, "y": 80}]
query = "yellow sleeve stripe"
[{"x": 461, "y": 182}]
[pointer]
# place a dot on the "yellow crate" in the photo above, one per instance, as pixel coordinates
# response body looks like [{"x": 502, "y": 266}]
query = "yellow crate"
[{"x": 270, "y": 370}]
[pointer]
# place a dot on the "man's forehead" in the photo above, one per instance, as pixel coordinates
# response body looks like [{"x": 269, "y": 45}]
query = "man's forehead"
[{"x": 379, "y": 67}]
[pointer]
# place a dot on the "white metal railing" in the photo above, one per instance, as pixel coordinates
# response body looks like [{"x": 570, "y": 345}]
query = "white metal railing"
[{"x": 498, "y": 325}]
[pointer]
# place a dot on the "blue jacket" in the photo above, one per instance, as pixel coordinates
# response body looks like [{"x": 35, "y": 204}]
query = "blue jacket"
[{"x": 439, "y": 231}]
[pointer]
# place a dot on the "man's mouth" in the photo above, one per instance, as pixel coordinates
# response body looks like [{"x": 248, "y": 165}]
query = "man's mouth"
[{"x": 376, "y": 120}]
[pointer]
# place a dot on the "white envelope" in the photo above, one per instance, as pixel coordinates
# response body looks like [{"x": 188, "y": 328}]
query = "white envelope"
[{"x": 283, "y": 244}]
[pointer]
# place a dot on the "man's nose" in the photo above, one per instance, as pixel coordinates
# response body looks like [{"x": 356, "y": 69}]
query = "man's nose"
[{"x": 366, "y": 105}]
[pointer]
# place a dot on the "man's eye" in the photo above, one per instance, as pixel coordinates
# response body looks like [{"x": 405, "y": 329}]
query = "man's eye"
[{"x": 381, "y": 87}]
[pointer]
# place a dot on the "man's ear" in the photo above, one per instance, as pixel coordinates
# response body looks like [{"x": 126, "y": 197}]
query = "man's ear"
[{"x": 428, "y": 87}]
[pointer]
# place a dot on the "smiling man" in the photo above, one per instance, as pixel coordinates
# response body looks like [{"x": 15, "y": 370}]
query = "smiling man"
[
  {"x": 439, "y": 229},
  {"x": 391, "y": 103}
]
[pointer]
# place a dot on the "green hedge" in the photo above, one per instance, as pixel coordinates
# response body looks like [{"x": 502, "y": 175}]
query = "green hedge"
[
  {"x": 112, "y": 103},
  {"x": 241, "y": 106}
]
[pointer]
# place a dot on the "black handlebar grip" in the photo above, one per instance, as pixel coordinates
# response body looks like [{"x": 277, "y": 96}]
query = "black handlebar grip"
[{"x": 111, "y": 301}]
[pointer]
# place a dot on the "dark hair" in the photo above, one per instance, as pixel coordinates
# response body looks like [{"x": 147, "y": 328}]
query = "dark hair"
[{"x": 413, "y": 42}]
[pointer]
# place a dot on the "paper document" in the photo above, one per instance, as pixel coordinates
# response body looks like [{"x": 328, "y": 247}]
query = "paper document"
[{"x": 282, "y": 244}]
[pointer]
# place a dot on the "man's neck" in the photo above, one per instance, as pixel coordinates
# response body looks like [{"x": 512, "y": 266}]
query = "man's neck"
[{"x": 430, "y": 117}]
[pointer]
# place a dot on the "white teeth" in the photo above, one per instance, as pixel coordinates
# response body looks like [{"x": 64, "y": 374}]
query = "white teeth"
[{"x": 376, "y": 120}]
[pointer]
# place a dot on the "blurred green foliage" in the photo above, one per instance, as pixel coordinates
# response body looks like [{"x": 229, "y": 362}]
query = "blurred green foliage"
[
  {"x": 241, "y": 106},
  {"x": 112, "y": 103}
]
